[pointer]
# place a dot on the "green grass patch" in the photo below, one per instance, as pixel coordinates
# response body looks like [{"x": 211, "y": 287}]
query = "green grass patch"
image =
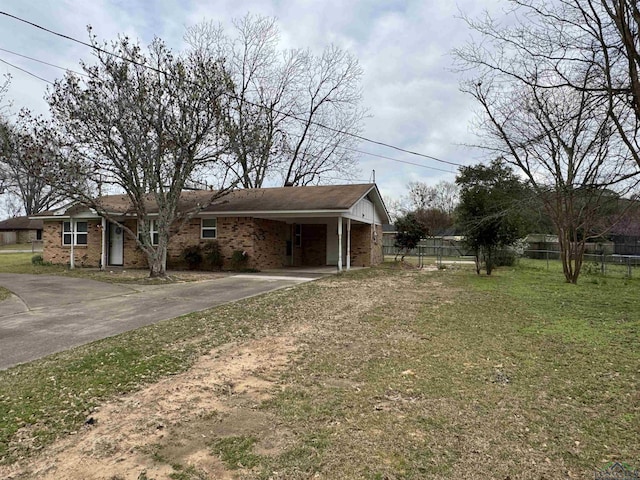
[
  {"x": 22, "y": 263},
  {"x": 4, "y": 294},
  {"x": 236, "y": 452}
]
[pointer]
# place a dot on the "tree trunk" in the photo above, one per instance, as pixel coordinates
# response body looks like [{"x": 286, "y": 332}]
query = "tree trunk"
[
  {"x": 477, "y": 260},
  {"x": 488, "y": 260},
  {"x": 157, "y": 267}
]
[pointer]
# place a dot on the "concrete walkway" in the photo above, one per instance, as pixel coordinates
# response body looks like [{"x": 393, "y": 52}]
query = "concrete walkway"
[{"x": 50, "y": 314}]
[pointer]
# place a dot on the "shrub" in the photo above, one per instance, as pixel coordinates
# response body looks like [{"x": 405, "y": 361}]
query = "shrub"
[
  {"x": 212, "y": 255},
  {"x": 38, "y": 260},
  {"x": 505, "y": 258},
  {"x": 239, "y": 260},
  {"x": 192, "y": 255}
]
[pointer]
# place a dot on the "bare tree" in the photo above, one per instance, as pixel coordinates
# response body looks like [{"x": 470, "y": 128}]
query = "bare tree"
[
  {"x": 443, "y": 196},
  {"x": 291, "y": 112},
  {"x": 263, "y": 81},
  {"x": 328, "y": 110},
  {"x": 145, "y": 122},
  {"x": 23, "y": 151},
  {"x": 562, "y": 142},
  {"x": 555, "y": 82},
  {"x": 562, "y": 43},
  {"x": 4, "y": 130}
]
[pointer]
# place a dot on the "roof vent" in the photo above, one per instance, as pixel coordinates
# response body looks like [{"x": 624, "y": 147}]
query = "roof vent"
[{"x": 288, "y": 184}]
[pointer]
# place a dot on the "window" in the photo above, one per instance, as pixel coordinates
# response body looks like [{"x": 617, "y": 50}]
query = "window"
[
  {"x": 153, "y": 231},
  {"x": 298, "y": 235},
  {"x": 79, "y": 235},
  {"x": 209, "y": 228}
]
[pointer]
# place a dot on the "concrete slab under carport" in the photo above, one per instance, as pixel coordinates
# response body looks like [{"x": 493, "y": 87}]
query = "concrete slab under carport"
[{"x": 49, "y": 314}]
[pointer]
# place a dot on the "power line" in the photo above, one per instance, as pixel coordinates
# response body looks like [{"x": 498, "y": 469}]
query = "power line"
[
  {"x": 26, "y": 71},
  {"x": 157, "y": 70},
  {"x": 44, "y": 63},
  {"x": 340, "y": 147},
  {"x": 395, "y": 159}
]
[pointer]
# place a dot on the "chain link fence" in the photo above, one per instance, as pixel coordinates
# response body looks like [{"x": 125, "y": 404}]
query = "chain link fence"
[{"x": 605, "y": 264}]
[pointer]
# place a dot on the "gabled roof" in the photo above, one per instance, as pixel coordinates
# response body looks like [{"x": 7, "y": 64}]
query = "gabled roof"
[
  {"x": 307, "y": 198},
  {"x": 20, "y": 223},
  {"x": 325, "y": 198}
]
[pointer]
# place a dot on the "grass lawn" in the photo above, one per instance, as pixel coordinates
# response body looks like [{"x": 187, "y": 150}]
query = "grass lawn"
[
  {"x": 398, "y": 374},
  {"x": 21, "y": 263},
  {"x": 20, "y": 246}
]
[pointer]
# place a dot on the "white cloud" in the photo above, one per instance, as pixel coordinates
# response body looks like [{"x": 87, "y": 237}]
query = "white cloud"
[{"x": 403, "y": 47}]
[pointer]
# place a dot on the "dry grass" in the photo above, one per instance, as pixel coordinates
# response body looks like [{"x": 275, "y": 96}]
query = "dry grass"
[{"x": 395, "y": 374}]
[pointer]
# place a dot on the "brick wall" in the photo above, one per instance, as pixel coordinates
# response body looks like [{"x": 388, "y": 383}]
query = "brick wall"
[
  {"x": 314, "y": 245},
  {"x": 270, "y": 240},
  {"x": 377, "y": 254},
  {"x": 85, "y": 255},
  {"x": 366, "y": 245},
  {"x": 263, "y": 240}
]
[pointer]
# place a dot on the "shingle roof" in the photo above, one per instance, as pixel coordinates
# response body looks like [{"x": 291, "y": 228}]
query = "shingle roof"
[
  {"x": 308, "y": 198},
  {"x": 280, "y": 199},
  {"x": 20, "y": 223}
]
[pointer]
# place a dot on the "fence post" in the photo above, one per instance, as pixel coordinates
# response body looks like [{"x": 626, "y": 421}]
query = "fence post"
[
  {"x": 629, "y": 266},
  {"x": 547, "y": 254}
]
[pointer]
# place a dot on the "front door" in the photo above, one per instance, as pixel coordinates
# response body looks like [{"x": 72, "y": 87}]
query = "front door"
[{"x": 116, "y": 244}]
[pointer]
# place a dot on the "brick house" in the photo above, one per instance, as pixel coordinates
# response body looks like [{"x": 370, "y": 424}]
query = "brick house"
[{"x": 337, "y": 225}]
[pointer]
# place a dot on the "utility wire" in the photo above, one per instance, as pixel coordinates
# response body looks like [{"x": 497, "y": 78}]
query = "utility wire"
[
  {"x": 395, "y": 159},
  {"x": 351, "y": 149},
  {"x": 43, "y": 62},
  {"x": 157, "y": 70},
  {"x": 26, "y": 71}
]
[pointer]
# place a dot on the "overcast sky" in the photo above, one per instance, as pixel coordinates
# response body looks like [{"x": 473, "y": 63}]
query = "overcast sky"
[{"x": 403, "y": 46}]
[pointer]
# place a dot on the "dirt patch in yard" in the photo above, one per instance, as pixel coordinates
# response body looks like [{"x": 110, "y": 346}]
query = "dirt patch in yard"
[{"x": 171, "y": 423}]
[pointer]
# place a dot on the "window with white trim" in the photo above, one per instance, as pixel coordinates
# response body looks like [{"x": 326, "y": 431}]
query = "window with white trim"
[
  {"x": 78, "y": 235},
  {"x": 153, "y": 231},
  {"x": 209, "y": 228}
]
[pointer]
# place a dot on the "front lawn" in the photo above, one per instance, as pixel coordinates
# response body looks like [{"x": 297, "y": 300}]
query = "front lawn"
[{"x": 397, "y": 373}]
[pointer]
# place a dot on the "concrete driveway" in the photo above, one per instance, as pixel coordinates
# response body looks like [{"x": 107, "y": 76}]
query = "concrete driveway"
[{"x": 49, "y": 314}]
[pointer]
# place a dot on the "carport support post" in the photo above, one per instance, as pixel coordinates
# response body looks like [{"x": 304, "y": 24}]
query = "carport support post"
[
  {"x": 348, "y": 244},
  {"x": 103, "y": 251},
  {"x": 72, "y": 254},
  {"x": 339, "y": 244}
]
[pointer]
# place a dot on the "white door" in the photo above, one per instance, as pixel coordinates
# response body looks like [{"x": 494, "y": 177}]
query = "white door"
[{"x": 116, "y": 244}]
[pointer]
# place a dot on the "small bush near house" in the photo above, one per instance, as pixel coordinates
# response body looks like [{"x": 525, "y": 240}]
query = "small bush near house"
[
  {"x": 192, "y": 255},
  {"x": 212, "y": 255},
  {"x": 239, "y": 260},
  {"x": 38, "y": 260}
]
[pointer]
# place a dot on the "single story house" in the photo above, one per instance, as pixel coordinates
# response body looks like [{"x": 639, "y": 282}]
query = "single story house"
[
  {"x": 20, "y": 230},
  {"x": 337, "y": 225}
]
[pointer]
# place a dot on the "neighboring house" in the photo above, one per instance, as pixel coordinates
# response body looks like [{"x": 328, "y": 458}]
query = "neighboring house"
[
  {"x": 289, "y": 226},
  {"x": 20, "y": 230}
]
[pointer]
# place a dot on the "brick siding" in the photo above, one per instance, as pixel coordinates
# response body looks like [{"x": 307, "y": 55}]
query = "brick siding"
[
  {"x": 263, "y": 240},
  {"x": 366, "y": 245},
  {"x": 85, "y": 255}
]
